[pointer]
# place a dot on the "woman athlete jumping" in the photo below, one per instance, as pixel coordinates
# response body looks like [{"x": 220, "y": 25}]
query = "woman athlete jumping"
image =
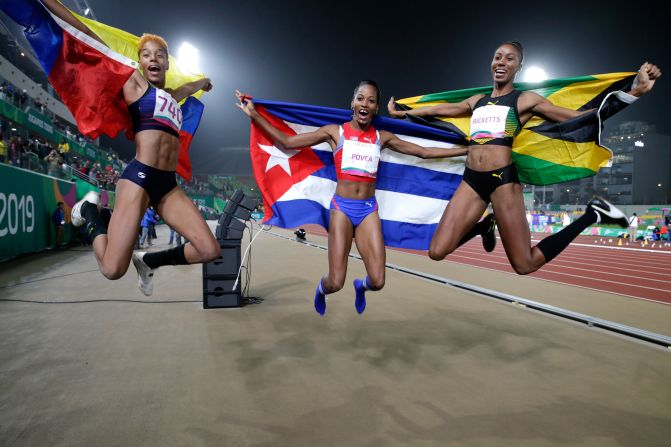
[
  {"x": 150, "y": 178},
  {"x": 356, "y": 149},
  {"x": 491, "y": 176}
]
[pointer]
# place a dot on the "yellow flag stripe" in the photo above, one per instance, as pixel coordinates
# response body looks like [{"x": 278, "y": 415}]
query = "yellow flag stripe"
[{"x": 127, "y": 44}]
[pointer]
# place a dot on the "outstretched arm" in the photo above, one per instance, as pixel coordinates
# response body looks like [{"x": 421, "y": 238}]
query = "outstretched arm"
[
  {"x": 539, "y": 106},
  {"x": 405, "y": 147},
  {"x": 65, "y": 15},
  {"x": 447, "y": 110},
  {"x": 188, "y": 89},
  {"x": 307, "y": 139},
  {"x": 136, "y": 84}
]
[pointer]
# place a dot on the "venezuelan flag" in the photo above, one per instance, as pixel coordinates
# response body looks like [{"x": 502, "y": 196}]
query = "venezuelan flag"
[
  {"x": 89, "y": 77},
  {"x": 86, "y": 75},
  {"x": 546, "y": 152},
  {"x": 126, "y": 44}
]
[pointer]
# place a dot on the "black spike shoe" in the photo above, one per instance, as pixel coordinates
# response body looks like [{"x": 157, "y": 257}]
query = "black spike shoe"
[
  {"x": 607, "y": 213},
  {"x": 489, "y": 236}
]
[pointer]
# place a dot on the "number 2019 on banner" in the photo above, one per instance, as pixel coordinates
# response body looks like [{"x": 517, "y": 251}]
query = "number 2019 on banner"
[{"x": 16, "y": 214}]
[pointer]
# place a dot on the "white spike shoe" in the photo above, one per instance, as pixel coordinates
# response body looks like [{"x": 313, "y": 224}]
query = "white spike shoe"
[{"x": 77, "y": 219}]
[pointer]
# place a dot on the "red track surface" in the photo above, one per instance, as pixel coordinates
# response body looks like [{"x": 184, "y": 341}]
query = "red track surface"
[{"x": 591, "y": 262}]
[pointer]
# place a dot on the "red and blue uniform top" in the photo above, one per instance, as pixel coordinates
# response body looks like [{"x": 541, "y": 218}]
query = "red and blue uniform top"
[{"x": 357, "y": 155}]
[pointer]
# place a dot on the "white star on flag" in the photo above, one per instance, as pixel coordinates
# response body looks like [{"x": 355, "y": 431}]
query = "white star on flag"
[{"x": 278, "y": 157}]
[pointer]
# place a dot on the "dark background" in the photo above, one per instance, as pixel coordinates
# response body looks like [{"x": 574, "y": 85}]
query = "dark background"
[{"x": 315, "y": 52}]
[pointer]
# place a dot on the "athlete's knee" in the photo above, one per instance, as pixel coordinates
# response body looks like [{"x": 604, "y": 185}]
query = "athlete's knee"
[
  {"x": 438, "y": 253},
  {"x": 334, "y": 282},
  {"x": 113, "y": 271},
  {"x": 376, "y": 282},
  {"x": 212, "y": 252},
  {"x": 208, "y": 251},
  {"x": 523, "y": 267}
]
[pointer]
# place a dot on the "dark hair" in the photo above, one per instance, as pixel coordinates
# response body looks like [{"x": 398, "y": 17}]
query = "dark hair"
[
  {"x": 518, "y": 47},
  {"x": 59, "y": 204},
  {"x": 368, "y": 82}
]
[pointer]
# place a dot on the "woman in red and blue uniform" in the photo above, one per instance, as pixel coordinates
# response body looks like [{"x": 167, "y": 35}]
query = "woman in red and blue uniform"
[
  {"x": 356, "y": 147},
  {"x": 490, "y": 174},
  {"x": 150, "y": 178}
]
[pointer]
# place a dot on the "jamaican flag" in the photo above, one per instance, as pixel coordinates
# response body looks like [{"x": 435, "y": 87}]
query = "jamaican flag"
[{"x": 546, "y": 152}]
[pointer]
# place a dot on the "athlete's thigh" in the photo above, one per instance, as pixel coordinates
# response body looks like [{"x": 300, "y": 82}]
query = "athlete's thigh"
[
  {"x": 462, "y": 212},
  {"x": 511, "y": 221},
  {"x": 130, "y": 204},
  {"x": 370, "y": 243},
  {"x": 179, "y": 212},
  {"x": 339, "y": 241}
]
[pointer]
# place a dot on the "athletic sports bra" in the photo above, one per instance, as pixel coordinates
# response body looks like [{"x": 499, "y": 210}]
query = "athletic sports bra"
[
  {"x": 495, "y": 120},
  {"x": 357, "y": 155},
  {"x": 157, "y": 110}
]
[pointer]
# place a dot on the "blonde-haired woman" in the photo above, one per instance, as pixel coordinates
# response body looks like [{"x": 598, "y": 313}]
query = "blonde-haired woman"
[{"x": 150, "y": 178}]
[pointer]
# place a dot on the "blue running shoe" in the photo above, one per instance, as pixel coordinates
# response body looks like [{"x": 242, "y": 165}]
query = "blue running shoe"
[
  {"x": 360, "y": 300},
  {"x": 320, "y": 300}
]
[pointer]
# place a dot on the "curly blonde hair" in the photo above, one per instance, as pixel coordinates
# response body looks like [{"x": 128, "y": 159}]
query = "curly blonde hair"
[{"x": 152, "y": 38}]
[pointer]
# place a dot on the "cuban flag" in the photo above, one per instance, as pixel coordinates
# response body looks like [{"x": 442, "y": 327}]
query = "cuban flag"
[
  {"x": 297, "y": 184},
  {"x": 89, "y": 76}
]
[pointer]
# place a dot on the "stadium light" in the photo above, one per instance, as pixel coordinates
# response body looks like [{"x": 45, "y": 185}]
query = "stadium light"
[
  {"x": 188, "y": 58},
  {"x": 535, "y": 74},
  {"x": 86, "y": 12}
]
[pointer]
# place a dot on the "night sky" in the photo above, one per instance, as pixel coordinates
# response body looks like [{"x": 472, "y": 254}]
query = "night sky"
[{"x": 315, "y": 52}]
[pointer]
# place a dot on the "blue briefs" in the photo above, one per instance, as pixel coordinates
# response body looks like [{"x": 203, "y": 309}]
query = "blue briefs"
[
  {"x": 156, "y": 182},
  {"x": 355, "y": 209}
]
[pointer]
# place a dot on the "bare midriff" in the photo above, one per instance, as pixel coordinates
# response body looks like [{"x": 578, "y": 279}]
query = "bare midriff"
[{"x": 157, "y": 149}]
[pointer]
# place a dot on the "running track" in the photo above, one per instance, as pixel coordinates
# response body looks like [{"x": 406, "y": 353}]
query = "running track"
[{"x": 630, "y": 271}]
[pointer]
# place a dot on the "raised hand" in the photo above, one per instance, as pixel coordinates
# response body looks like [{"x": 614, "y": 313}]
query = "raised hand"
[
  {"x": 392, "y": 110},
  {"x": 647, "y": 75},
  {"x": 207, "y": 84},
  {"x": 245, "y": 103}
]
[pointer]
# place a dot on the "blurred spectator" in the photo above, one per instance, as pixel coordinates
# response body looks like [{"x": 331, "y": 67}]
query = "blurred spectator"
[
  {"x": 54, "y": 162},
  {"x": 23, "y": 98},
  {"x": 566, "y": 219},
  {"x": 14, "y": 151},
  {"x": 58, "y": 219},
  {"x": 93, "y": 175},
  {"x": 11, "y": 91},
  {"x": 3, "y": 149},
  {"x": 178, "y": 237},
  {"x": 64, "y": 150},
  {"x": 633, "y": 227},
  {"x": 148, "y": 221}
]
